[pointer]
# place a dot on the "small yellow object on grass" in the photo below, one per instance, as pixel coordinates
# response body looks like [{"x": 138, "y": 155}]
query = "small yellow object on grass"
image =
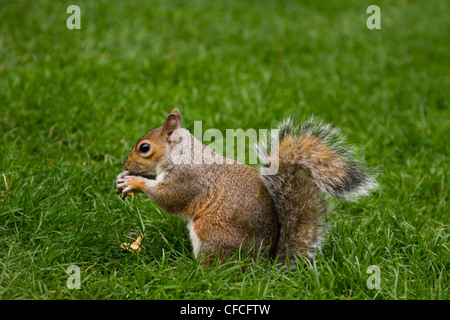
[{"x": 135, "y": 246}]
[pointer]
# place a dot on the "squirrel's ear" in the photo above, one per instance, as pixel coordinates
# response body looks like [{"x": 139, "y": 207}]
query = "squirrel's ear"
[
  {"x": 172, "y": 123},
  {"x": 176, "y": 112}
]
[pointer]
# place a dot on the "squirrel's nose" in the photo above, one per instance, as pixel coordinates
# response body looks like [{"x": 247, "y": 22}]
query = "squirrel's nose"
[{"x": 126, "y": 165}]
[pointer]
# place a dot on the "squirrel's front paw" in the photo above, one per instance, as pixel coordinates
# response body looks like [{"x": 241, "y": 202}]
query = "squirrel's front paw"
[
  {"x": 129, "y": 185},
  {"x": 120, "y": 176}
]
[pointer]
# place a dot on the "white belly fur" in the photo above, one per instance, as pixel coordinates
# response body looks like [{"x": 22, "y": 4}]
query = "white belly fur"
[{"x": 194, "y": 238}]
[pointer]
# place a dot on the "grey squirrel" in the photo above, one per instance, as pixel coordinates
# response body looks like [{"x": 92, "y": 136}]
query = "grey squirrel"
[{"x": 229, "y": 205}]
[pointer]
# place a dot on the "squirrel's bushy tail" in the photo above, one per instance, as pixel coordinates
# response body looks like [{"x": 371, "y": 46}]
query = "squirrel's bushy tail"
[{"x": 313, "y": 163}]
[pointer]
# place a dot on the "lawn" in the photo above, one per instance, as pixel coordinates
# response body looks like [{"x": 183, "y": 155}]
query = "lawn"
[{"x": 73, "y": 103}]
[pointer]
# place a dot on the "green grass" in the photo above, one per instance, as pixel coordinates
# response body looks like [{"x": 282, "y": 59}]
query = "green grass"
[{"x": 73, "y": 102}]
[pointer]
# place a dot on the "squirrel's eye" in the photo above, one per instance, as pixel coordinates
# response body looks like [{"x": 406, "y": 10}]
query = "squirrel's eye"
[{"x": 144, "y": 148}]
